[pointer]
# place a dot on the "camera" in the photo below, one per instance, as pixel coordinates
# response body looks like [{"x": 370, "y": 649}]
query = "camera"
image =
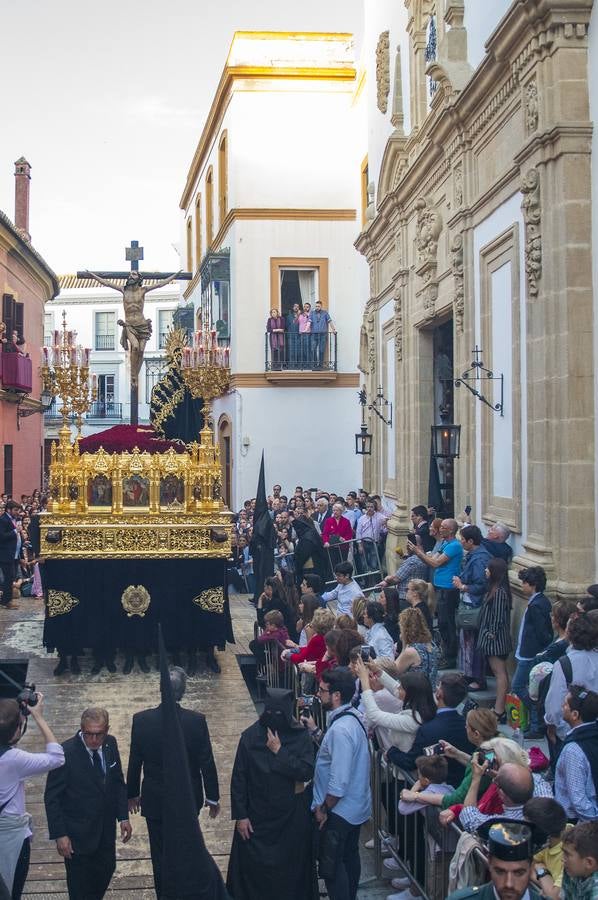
[
  {"x": 367, "y": 653},
  {"x": 26, "y": 698},
  {"x": 307, "y": 702},
  {"x": 433, "y": 750}
]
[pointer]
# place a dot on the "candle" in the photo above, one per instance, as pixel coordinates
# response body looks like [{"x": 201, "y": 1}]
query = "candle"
[
  {"x": 45, "y": 353},
  {"x": 94, "y": 382}
]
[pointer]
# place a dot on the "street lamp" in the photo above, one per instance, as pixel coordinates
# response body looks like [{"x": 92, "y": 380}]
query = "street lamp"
[
  {"x": 363, "y": 439},
  {"x": 446, "y": 441}
]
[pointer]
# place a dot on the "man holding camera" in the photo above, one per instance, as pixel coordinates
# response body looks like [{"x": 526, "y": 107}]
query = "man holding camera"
[
  {"x": 15, "y": 767},
  {"x": 83, "y": 801}
]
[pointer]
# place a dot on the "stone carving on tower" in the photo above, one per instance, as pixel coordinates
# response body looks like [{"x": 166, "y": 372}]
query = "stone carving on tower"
[
  {"x": 383, "y": 70},
  {"x": 398, "y": 320},
  {"x": 532, "y": 216},
  {"x": 367, "y": 342},
  {"x": 531, "y": 106}
]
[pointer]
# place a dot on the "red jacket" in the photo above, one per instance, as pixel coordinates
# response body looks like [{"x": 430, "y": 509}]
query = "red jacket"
[
  {"x": 342, "y": 527},
  {"x": 312, "y": 652}
]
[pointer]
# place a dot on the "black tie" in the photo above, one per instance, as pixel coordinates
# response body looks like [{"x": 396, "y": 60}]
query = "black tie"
[{"x": 97, "y": 763}]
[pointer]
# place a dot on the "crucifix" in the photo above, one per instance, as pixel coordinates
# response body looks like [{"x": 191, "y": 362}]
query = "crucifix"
[{"x": 136, "y": 329}]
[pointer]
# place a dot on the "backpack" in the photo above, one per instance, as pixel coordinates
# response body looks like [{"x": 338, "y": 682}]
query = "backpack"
[{"x": 544, "y": 687}]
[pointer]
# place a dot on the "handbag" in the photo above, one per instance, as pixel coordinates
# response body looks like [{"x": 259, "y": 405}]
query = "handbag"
[{"x": 468, "y": 617}]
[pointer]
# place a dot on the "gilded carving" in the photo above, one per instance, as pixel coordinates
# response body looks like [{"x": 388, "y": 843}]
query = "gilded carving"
[
  {"x": 532, "y": 216},
  {"x": 211, "y": 600},
  {"x": 60, "y": 603},
  {"x": 135, "y": 600},
  {"x": 383, "y": 70},
  {"x": 457, "y": 266},
  {"x": 531, "y": 106}
]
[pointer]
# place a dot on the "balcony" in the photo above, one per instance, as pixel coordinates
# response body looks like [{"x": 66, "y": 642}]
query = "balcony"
[
  {"x": 16, "y": 373},
  {"x": 105, "y": 409},
  {"x": 302, "y": 358},
  {"x": 105, "y": 342}
]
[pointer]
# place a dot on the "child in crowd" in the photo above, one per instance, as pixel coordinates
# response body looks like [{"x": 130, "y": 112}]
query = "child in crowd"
[
  {"x": 551, "y": 822},
  {"x": 580, "y": 852},
  {"x": 274, "y": 631},
  {"x": 431, "y": 778}
]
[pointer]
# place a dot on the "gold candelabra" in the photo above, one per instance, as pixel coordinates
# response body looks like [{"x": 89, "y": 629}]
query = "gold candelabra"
[
  {"x": 65, "y": 374},
  {"x": 205, "y": 368}
]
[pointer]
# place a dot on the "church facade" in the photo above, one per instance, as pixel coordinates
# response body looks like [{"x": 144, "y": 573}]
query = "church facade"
[
  {"x": 479, "y": 240},
  {"x": 270, "y": 217}
]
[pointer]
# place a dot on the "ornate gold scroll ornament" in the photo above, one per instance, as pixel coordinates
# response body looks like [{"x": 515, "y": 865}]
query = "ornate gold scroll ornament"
[
  {"x": 60, "y": 603},
  {"x": 211, "y": 600},
  {"x": 135, "y": 600}
]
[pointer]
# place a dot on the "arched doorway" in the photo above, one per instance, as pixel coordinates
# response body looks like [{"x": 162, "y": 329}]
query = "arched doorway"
[{"x": 226, "y": 459}]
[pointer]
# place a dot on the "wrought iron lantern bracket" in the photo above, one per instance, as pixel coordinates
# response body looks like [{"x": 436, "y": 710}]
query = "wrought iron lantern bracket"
[{"x": 477, "y": 374}]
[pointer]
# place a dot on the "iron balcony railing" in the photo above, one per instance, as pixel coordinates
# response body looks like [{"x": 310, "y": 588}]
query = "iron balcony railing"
[
  {"x": 105, "y": 409},
  {"x": 300, "y": 352},
  {"x": 105, "y": 342}
]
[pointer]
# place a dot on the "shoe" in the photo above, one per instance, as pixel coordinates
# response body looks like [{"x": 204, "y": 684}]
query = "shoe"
[
  {"x": 400, "y": 883},
  {"x": 402, "y": 895},
  {"x": 62, "y": 666},
  {"x": 212, "y": 662},
  {"x": 369, "y": 845},
  {"x": 501, "y": 718},
  {"x": 110, "y": 666},
  {"x": 475, "y": 686},
  {"x": 392, "y": 865},
  {"x": 75, "y": 667},
  {"x": 128, "y": 666},
  {"x": 98, "y": 665},
  {"x": 143, "y": 665}
]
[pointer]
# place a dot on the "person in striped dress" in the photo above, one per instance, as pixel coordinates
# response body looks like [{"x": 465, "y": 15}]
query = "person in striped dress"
[{"x": 494, "y": 633}]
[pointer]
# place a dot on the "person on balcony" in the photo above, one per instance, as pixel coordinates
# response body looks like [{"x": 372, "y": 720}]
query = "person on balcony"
[
  {"x": 275, "y": 327},
  {"x": 292, "y": 337},
  {"x": 304, "y": 320},
  {"x": 320, "y": 322}
]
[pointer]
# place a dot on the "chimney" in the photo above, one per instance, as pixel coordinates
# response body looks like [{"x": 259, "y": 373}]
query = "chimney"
[{"x": 22, "y": 179}]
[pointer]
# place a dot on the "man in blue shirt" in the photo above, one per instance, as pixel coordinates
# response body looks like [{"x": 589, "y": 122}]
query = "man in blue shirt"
[
  {"x": 445, "y": 566},
  {"x": 320, "y": 322},
  {"x": 341, "y": 798}
]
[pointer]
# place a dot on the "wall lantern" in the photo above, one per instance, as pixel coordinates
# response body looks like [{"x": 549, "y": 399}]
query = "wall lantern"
[
  {"x": 446, "y": 441},
  {"x": 363, "y": 439}
]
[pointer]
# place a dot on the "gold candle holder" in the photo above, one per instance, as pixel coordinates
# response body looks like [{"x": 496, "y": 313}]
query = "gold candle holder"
[{"x": 65, "y": 374}]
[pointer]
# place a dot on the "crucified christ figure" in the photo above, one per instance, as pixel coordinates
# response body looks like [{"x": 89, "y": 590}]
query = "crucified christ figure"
[{"x": 136, "y": 330}]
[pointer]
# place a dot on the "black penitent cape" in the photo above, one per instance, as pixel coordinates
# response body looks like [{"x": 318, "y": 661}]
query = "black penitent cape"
[
  {"x": 309, "y": 546},
  {"x": 277, "y": 861}
]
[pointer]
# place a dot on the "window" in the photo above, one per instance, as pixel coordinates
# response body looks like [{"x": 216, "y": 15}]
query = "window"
[
  {"x": 105, "y": 331},
  {"x": 48, "y": 329},
  {"x": 164, "y": 326},
  {"x": 105, "y": 390},
  {"x": 12, "y": 316},
  {"x": 209, "y": 208},
  {"x": 365, "y": 177},
  {"x": 222, "y": 177},
  {"x": 8, "y": 469},
  {"x": 198, "y": 231},
  {"x": 189, "y": 245},
  {"x": 297, "y": 280}
]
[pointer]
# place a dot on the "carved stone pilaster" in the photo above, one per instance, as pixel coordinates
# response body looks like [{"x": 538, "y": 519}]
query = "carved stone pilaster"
[
  {"x": 458, "y": 195},
  {"x": 531, "y": 106},
  {"x": 532, "y": 216},
  {"x": 429, "y": 227},
  {"x": 457, "y": 266},
  {"x": 383, "y": 71},
  {"x": 367, "y": 342},
  {"x": 398, "y": 322}
]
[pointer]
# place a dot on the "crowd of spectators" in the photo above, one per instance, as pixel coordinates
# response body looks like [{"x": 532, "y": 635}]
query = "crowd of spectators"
[
  {"x": 19, "y": 569},
  {"x": 420, "y": 643}
]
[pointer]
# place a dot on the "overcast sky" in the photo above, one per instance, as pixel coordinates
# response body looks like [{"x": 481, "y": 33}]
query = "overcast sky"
[{"x": 107, "y": 101}]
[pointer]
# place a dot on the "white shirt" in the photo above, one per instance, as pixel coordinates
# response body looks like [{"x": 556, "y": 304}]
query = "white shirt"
[
  {"x": 90, "y": 754},
  {"x": 344, "y": 594},
  {"x": 584, "y": 665},
  {"x": 379, "y": 638},
  {"x": 16, "y": 766}
]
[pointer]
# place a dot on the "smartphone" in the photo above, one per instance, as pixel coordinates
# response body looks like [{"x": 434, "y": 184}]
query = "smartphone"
[
  {"x": 365, "y": 653},
  {"x": 433, "y": 750},
  {"x": 486, "y": 756}
]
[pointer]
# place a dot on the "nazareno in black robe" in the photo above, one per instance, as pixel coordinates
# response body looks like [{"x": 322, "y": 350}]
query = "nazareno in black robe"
[{"x": 266, "y": 788}]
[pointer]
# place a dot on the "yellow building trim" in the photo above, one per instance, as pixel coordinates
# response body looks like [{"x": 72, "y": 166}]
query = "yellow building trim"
[
  {"x": 292, "y": 35},
  {"x": 298, "y": 262},
  {"x": 222, "y": 99},
  {"x": 295, "y": 379},
  {"x": 360, "y": 84}
]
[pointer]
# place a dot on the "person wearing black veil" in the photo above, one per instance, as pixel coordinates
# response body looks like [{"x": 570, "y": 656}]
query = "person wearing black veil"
[
  {"x": 310, "y": 556},
  {"x": 271, "y": 854}
]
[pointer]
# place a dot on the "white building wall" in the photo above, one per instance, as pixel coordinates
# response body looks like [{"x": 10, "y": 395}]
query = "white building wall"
[
  {"x": 496, "y": 224},
  {"x": 593, "y": 89}
]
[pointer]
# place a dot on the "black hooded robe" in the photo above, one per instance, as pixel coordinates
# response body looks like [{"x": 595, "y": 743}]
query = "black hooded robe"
[
  {"x": 310, "y": 555},
  {"x": 277, "y": 860}
]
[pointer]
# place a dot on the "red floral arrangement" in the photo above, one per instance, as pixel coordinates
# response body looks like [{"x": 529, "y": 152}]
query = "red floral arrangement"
[{"x": 124, "y": 438}]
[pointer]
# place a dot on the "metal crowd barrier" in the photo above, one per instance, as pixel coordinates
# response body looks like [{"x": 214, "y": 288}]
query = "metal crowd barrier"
[
  {"x": 368, "y": 569},
  {"x": 274, "y": 672},
  {"x": 421, "y": 846}
]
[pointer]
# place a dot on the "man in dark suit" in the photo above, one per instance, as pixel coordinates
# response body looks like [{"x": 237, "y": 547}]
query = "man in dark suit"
[
  {"x": 147, "y": 744},
  {"x": 83, "y": 801},
  {"x": 322, "y": 512},
  {"x": 447, "y": 725},
  {"x": 10, "y": 545},
  {"x": 421, "y": 527}
]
